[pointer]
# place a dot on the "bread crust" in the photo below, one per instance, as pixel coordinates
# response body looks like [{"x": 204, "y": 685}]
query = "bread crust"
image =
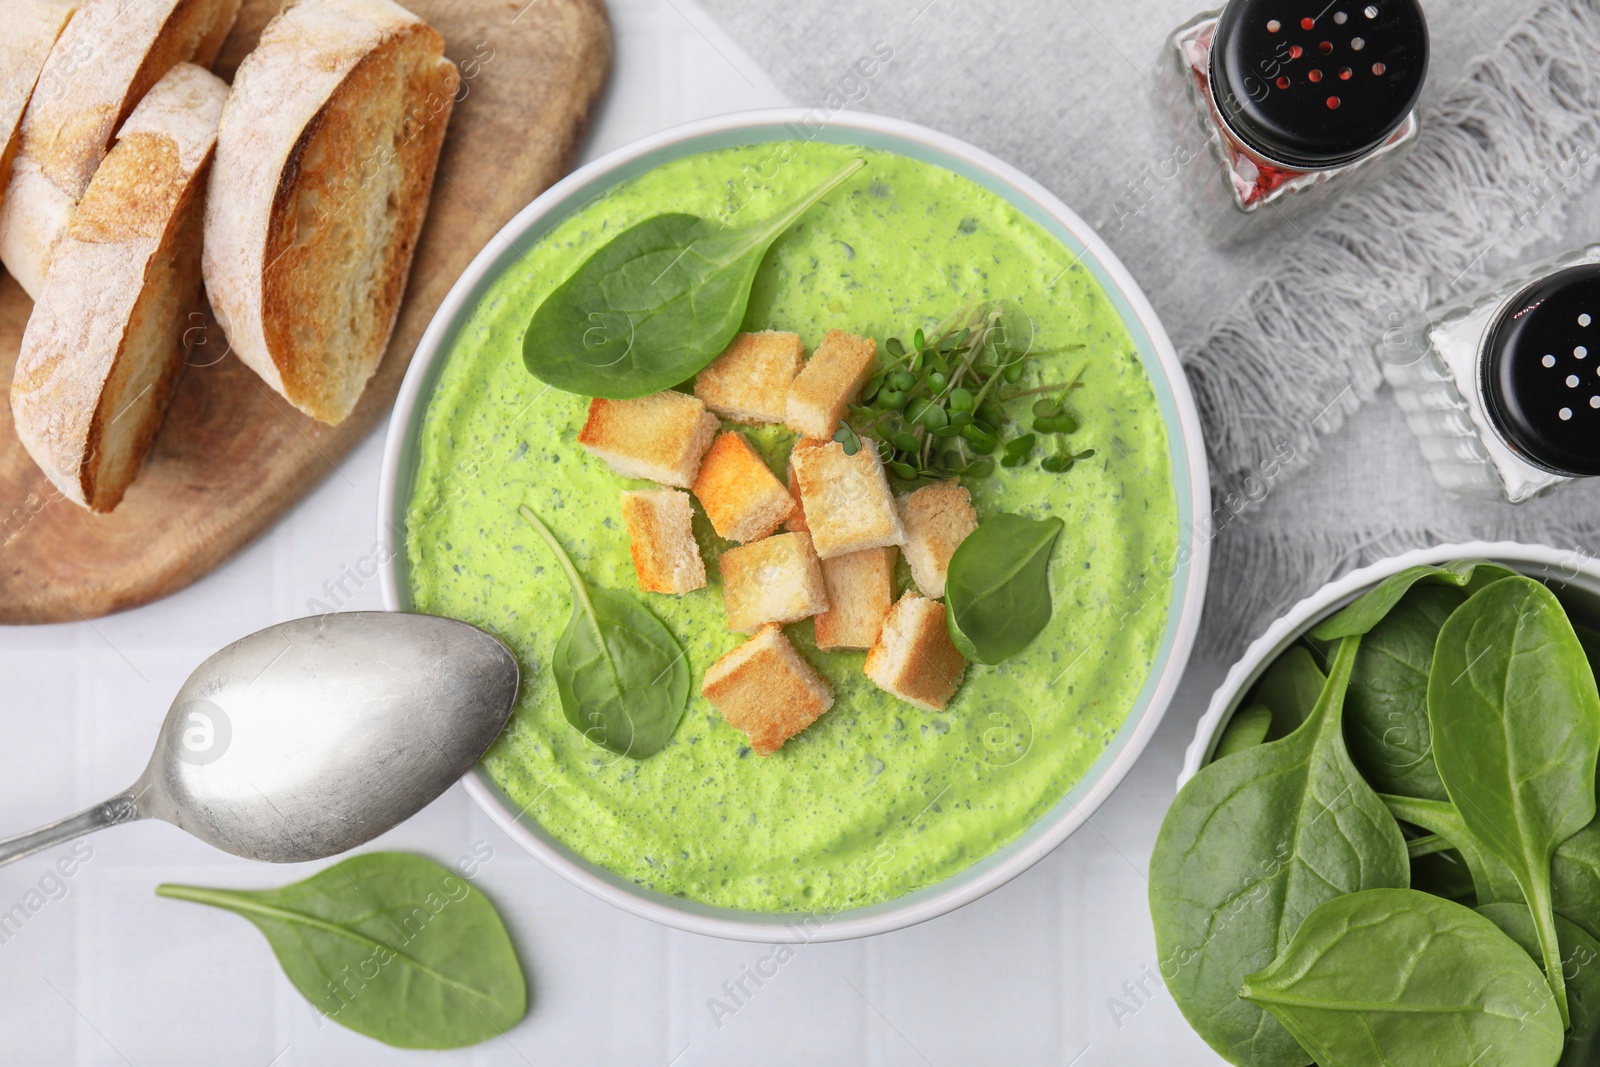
[
  {"x": 32, "y": 28},
  {"x": 104, "y": 63},
  {"x": 103, "y": 348},
  {"x": 299, "y": 162}
]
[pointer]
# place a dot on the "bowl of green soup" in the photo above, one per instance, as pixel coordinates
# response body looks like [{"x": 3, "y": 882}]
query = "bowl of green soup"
[{"x": 880, "y": 813}]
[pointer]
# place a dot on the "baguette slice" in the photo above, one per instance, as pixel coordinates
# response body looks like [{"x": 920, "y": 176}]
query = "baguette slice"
[
  {"x": 325, "y": 163},
  {"x": 32, "y": 27},
  {"x": 103, "y": 64},
  {"x": 104, "y": 346}
]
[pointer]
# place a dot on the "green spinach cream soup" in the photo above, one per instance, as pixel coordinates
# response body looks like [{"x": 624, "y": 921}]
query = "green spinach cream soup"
[{"x": 877, "y": 798}]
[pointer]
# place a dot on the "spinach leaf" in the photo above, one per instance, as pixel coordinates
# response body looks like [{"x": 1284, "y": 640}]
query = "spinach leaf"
[
  {"x": 1516, "y": 733},
  {"x": 1574, "y": 870},
  {"x": 1290, "y": 688},
  {"x": 1401, "y": 978},
  {"x": 623, "y": 678},
  {"x": 998, "y": 586},
  {"x": 1386, "y": 714},
  {"x": 1580, "y": 957},
  {"x": 1247, "y": 729},
  {"x": 1591, "y": 646},
  {"x": 1362, "y": 614},
  {"x": 391, "y": 945},
  {"x": 1249, "y": 848},
  {"x": 1491, "y": 879},
  {"x": 656, "y": 303},
  {"x": 1575, "y": 879}
]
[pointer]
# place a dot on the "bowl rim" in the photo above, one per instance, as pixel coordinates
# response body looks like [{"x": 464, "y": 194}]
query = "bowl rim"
[
  {"x": 1571, "y": 564},
  {"x": 1190, "y": 564}
]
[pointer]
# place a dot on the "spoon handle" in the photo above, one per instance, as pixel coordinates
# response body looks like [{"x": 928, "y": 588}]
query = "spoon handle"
[{"x": 121, "y": 808}]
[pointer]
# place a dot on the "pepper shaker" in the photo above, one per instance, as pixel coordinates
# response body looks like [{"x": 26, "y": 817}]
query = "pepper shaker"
[
  {"x": 1503, "y": 393},
  {"x": 1282, "y": 104}
]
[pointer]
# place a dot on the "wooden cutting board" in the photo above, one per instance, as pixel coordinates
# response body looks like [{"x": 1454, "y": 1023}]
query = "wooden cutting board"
[{"x": 233, "y": 455}]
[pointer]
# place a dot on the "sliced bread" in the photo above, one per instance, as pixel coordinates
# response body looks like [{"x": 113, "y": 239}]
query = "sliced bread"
[
  {"x": 32, "y": 27},
  {"x": 102, "y": 65},
  {"x": 104, "y": 346},
  {"x": 325, "y": 164}
]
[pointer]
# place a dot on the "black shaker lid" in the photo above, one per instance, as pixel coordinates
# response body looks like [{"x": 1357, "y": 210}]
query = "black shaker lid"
[
  {"x": 1309, "y": 83},
  {"x": 1541, "y": 371}
]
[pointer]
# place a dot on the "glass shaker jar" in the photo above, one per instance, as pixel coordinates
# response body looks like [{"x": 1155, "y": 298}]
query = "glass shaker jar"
[
  {"x": 1281, "y": 104},
  {"x": 1504, "y": 392}
]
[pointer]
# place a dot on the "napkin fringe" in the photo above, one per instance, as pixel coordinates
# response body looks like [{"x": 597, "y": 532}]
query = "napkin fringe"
[
  {"x": 1272, "y": 569},
  {"x": 1495, "y": 160}
]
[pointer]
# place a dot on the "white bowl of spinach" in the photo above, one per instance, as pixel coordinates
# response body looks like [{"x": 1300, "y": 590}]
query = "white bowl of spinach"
[{"x": 1384, "y": 847}]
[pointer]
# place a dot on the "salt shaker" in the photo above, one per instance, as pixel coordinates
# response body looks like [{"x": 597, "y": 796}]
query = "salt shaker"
[
  {"x": 1504, "y": 392},
  {"x": 1282, "y": 104}
]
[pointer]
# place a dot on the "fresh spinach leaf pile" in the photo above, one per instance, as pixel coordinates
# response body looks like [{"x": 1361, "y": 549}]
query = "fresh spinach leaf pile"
[{"x": 1394, "y": 856}]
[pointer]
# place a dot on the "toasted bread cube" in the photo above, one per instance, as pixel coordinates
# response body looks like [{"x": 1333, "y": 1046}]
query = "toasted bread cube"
[
  {"x": 660, "y": 437},
  {"x": 777, "y": 579},
  {"x": 766, "y": 690},
  {"x": 847, "y": 502},
  {"x": 913, "y": 657},
  {"x": 937, "y": 519},
  {"x": 818, "y": 396},
  {"x": 661, "y": 538},
  {"x": 860, "y": 593},
  {"x": 743, "y": 498},
  {"x": 749, "y": 382},
  {"x": 796, "y": 522}
]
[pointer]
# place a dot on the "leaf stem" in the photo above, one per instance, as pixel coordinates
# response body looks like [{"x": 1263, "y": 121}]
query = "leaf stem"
[
  {"x": 580, "y": 592},
  {"x": 789, "y": 215}
]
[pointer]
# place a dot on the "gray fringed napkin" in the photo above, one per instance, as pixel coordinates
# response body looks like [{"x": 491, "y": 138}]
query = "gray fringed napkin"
[{"x": 1278, "y": 335}]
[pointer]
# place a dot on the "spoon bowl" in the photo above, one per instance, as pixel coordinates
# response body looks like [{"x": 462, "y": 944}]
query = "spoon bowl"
[{"x": 314, "y": 736}]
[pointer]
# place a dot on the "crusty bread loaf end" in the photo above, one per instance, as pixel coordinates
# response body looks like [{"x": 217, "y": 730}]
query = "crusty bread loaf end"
[{"x": 325, "y": 164}]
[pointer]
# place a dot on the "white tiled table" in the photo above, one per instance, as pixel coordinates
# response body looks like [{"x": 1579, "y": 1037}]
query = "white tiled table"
[{"x": 105, "y": 973}]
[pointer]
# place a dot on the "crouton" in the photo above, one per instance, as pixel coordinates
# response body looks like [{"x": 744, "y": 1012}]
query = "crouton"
[
  {"x": 766, "y": 690},
  {"x": 913, "y": 657},
  {"x": 860, "y": 592},
  {"x": 777, "y": 579},
  {"x": 818, "y": 396},
  {"x": 743, "y": 498},
  {"x": 796, "y": 522},
  {"x": 749, "y": 382},
  {"x": 937, "y": 518},
  {"x": 661, "y": 537},
  {"x": 847, "y": 502},
  {"x": 660, "y": 437}
]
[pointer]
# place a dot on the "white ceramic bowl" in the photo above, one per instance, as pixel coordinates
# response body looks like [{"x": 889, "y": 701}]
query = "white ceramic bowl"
[
  {"x": 1187, "y": 453},
  {"x": 1574, "y": 575}
]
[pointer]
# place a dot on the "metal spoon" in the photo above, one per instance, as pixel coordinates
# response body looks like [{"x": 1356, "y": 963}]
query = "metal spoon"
[{"x": 311, "y": 737}]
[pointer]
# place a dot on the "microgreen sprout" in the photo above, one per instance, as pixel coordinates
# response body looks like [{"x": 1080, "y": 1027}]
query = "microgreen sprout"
[{"x": 937, "y": 407}]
